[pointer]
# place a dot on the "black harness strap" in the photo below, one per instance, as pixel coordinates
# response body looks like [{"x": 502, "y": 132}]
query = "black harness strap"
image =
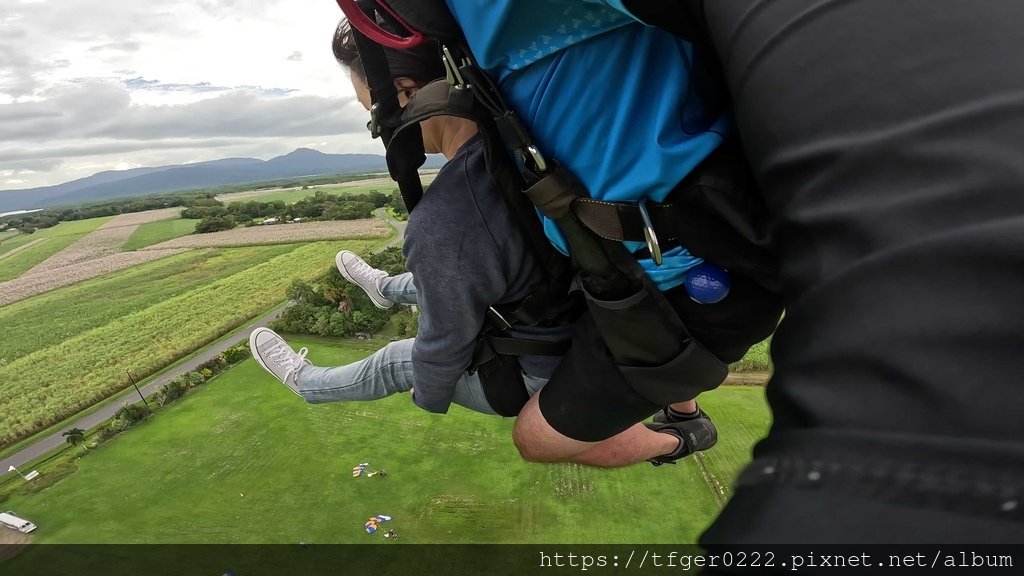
[{"x": 386, "y": 116}]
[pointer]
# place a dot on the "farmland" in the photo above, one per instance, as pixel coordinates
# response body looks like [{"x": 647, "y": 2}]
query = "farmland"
[
  {"x": 157, "y": 232},
  {"x": 55, "y": 239},
  {"x": 53, "y": 382},
  {"x": 219, "y": 465},
  {"x": 282, "y": 234}
]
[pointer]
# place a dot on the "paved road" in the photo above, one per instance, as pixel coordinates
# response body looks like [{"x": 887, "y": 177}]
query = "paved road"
[
  {"x": 55, "y": 440},
  {"x": 398, "y": 225},
  {"x": 48, "y": 443}
]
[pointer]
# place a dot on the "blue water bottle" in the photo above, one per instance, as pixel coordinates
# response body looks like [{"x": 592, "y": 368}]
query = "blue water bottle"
[{"x": 707, "y": 284}]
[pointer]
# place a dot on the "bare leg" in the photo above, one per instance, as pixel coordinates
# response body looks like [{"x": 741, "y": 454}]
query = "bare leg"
[{"x": 537, "y": 441}]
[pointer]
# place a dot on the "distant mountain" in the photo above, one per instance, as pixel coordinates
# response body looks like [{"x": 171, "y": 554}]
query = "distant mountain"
[{"x": 142, "y": 181}]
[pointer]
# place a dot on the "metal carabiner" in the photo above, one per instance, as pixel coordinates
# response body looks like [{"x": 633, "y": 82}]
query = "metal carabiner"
[{"x": 652, "y": 239}]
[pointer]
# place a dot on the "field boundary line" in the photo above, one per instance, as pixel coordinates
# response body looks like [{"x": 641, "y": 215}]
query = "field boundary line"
[{"x": 25, "y": 246}]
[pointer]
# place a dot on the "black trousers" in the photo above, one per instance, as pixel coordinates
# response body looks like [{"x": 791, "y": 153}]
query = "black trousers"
[{"x": 888, "y": 141}]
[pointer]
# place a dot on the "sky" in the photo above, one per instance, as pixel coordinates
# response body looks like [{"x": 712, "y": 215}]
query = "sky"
[{"x": 91, "y": 85}]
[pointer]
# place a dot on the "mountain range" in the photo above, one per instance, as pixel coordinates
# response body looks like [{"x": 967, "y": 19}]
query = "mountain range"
[{"x": 142, "y": 181}]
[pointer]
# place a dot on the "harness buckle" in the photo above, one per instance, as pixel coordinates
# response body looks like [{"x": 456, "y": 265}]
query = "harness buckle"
[
  {"x": 649, "y": 235},
  {"x": 452, "y": 69},
  {"x": 373, "y": 125},
  {"x": 500, "y": 320}
]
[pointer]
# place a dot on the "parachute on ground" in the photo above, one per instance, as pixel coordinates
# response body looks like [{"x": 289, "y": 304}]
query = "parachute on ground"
[
  {"x": 359, "y": 470},
  {"x": 373, "y": 523}
]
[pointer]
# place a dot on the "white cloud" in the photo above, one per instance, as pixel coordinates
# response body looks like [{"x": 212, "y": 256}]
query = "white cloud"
[{"x": 93, "y": 84}]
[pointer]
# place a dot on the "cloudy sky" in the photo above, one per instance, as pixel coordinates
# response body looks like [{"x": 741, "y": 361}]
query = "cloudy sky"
[{"x": 90, "y": 85}]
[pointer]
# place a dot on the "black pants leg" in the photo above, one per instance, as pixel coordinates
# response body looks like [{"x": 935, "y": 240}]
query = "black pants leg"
[{"x": 888, "y": 141}]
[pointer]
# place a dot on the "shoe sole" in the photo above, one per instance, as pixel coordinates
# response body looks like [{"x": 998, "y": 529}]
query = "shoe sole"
[
  {"x": 259, "y": 360},
  {"x": 344, "y": 272}
]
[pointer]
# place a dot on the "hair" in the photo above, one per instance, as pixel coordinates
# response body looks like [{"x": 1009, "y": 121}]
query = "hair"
[{"x": 422, "y": 63}]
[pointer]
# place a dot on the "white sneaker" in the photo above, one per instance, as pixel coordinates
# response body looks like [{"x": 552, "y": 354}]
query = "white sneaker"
[
  {"x": 277, "y": 357},
  {"x": 358, "y": 272}
]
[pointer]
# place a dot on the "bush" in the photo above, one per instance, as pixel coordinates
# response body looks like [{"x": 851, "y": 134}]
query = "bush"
[
  {"x": 236, "y": 354},
  {"x": 215, "y": 224},
  {"x": 192, "y": 379},
  {"x": 172, "y": 391},
  {"x": 132, "y": 413}
]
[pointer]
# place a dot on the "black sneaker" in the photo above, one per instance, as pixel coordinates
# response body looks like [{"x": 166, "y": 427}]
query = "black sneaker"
[
  {"x": 664, "y": 417},
  {"x": 695, "y": 435}
]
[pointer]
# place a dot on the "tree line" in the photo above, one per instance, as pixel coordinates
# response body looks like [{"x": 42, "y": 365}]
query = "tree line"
[
  {"x": 332, "y": 306},
  {"x": 215, "y": 215}
]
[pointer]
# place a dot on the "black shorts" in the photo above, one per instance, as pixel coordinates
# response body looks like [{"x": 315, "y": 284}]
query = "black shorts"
[{"x": 588, "y": 399}]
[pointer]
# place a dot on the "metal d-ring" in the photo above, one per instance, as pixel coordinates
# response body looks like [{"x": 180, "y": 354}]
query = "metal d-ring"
[{"x": 649, "y": 235}]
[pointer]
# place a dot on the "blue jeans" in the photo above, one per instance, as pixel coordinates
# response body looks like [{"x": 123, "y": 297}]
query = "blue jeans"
[{"x": 389, "y": 370}]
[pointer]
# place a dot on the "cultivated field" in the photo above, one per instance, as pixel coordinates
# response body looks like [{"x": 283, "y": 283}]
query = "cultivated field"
[
  {"x": 51, "y": 383},
  {"x": 282, "y": 234},
  {"x": 108, "y": 239},
  {"x": 57, "y": 238},
  {"x": 157, "y": 232},
  {"x": 245, "y": 461},
  {"x": 38, "y": 282}
]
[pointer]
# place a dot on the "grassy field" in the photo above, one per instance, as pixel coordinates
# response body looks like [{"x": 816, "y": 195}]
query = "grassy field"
[
  {"x": 55, "y": 239},
  {"x": 243, "y": 460},
  {"x": 157, "y": 232},
  {"x": 77, "y": 371}
]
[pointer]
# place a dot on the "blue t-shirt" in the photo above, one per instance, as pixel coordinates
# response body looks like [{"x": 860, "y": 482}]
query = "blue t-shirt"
[{"x": 607, "y": 97}]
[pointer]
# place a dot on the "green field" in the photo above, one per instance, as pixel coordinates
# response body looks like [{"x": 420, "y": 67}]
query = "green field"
[
  {"x": 75, "y": 371},
  {"x": 242, "y": 460},
  {"x": 157, "y": 232},
  {"x": 55, "y": 239},
  {"x": 88, "y": 305},
  {"x": 292, "y": 196}
]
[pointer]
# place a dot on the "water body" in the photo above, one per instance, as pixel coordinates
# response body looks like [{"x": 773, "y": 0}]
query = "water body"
[{"x": 16, "y": 212}]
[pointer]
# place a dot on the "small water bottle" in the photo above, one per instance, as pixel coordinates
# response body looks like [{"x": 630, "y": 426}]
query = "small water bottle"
[{"x": 707, "y": 284}]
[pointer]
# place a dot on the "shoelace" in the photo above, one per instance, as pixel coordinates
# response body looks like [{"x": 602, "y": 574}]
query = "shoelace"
[
  {"x": 366, "y": 273},
  {"x": 288, "y": 359}
]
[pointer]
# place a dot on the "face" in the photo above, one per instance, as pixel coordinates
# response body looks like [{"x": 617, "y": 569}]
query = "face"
[
  {"x": 362, "y": 90},
  {"x": 406, "y": 88}
]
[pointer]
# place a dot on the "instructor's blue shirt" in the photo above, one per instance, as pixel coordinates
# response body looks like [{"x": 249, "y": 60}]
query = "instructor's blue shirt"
[{"x": 605, "y": 96}]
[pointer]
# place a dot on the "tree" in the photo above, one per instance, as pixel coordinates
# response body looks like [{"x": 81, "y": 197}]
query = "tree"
[
  {"x": 75, "y": 436},
  {"x": 215, "y": 224}
]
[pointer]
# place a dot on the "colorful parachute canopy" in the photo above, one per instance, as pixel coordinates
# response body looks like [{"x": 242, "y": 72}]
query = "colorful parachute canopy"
[{"x": 373, "y": 523}]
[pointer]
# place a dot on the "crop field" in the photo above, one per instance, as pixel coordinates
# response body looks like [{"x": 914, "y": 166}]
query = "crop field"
[
  {"x": 57, "y": 238},
  {"x": 292, "y": 195},
  {"x": 49, "y": 384},
  {"x": 243, "y": 460},
  {"x": 157, "y": 232},
  {"x": 71, "y": 311},
  {"x": 282, "y": 234},
  {"x": 28, "y": 285},
  {"x": 757, "y": 359}
]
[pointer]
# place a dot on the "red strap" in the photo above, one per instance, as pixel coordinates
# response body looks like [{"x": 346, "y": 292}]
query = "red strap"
[{"x": 371, "y": 30}]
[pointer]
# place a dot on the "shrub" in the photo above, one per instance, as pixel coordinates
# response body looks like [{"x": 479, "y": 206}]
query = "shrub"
[
  {"x": 172, "y": 391},
  {"x": 132, "y": 413},
  {"x": 236, "y": 354},
  {"x": 206, "y": 373}
]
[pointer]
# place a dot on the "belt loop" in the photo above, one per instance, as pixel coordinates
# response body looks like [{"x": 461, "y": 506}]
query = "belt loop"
[{"x": 649, "y": 235}]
